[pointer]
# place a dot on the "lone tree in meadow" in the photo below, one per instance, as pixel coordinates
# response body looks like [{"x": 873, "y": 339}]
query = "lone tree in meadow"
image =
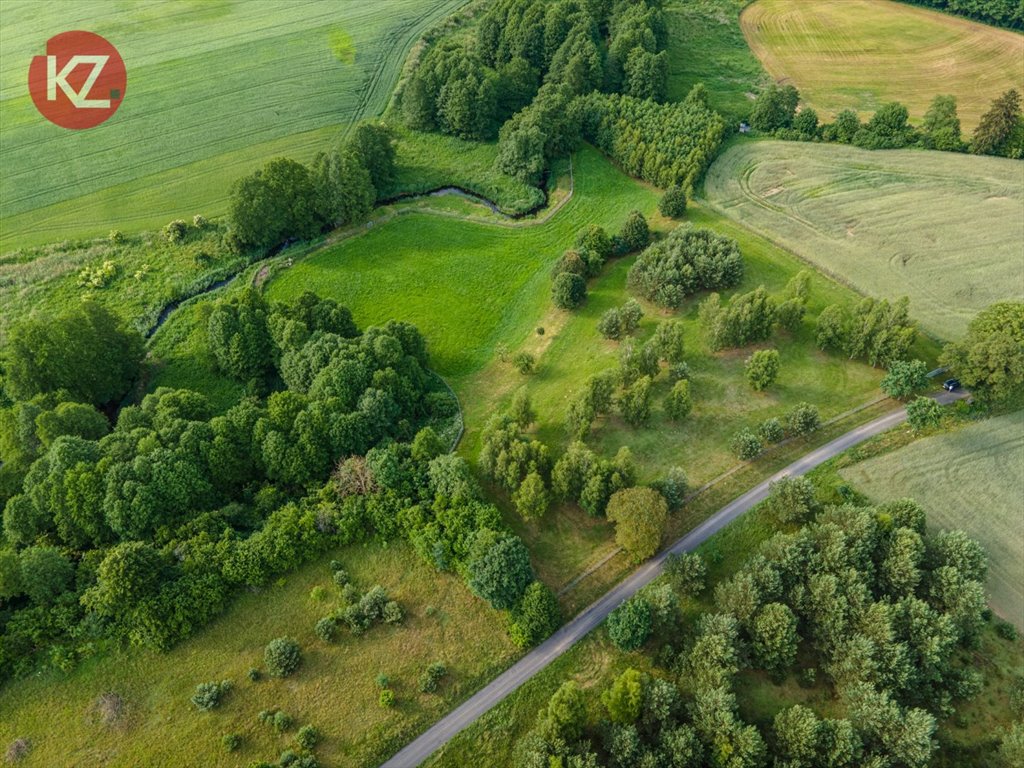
[
  {"x": 673, "y": 202},
  {"x": 568, "y": 291},
  {"x": 762, "y": 368},
  {"x": 639, "y": 515},
  {"x": 282, "y": 656}
]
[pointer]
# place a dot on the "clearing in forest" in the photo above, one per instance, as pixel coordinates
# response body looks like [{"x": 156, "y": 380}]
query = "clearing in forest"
[{"x": 859, "y": 54}]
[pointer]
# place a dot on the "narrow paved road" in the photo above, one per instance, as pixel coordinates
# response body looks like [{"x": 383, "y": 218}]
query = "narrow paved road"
[{"x": 533, "y": 662}]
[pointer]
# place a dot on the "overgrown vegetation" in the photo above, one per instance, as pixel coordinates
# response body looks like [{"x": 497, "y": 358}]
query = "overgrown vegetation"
[{"x": 161, "y": 519}]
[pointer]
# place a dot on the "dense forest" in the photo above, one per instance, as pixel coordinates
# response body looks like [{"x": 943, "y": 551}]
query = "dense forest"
[
  {"x": 141, "y": 529},
  {"x": 864, "y": 598}
]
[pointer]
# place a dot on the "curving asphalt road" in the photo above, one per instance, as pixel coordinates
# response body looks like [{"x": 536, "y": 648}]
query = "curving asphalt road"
[{"x": 424, "y": 745}]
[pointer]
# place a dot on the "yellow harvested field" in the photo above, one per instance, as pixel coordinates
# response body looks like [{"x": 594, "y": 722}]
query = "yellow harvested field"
[{"x": 860, "y": 54}]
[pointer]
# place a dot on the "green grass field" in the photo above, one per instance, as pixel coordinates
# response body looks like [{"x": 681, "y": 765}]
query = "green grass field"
[
  {"x": 565, "y": 541},
  {"x": 467, "y": 285},
  {"x": 859, "y": 54},
  {"x": 333, "y": 689},
  {"x": 970, "y": 479},
  {"x": 240, "y": 83},
  {"x": 944, "y": 229},
  {"x": 706, "y": 45}
]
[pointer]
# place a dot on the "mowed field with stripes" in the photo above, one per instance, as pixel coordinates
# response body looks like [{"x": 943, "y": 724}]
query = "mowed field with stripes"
[
  {"x": 215, "y": 89},
  {"x": 860, "y": 54}
]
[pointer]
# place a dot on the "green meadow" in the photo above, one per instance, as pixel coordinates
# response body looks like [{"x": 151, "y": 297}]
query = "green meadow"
[
  {"x": 477, "y": 287},
  {"x": 289, "y": 79},
  {"x": 469, "y": 285},
  {"x": 131, "y": 708}
]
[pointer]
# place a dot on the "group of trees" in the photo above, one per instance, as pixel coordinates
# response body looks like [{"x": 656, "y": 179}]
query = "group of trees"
[
  {"x": 286, "y": 200},
  {"x": 989, "y": 360},
  {"x": 665, "y": 144},
  {"x": 865, "y": 597},
  {"x": 525, "y": 469},
  {"x": 142, "y": 531},
  {"x": 800, "y": 420},
  {"x": 876, "y": 331},
  {"x": 752, "y": 317},
  {"x": 630, "y": 386},
  {"x": 687, "y": 261},
  {"x": 1000, "y": 132},
  {"x": 592, "y": 249},
  {"x": 1001, "y": 13},
  {"x": 518, "y": 78}
]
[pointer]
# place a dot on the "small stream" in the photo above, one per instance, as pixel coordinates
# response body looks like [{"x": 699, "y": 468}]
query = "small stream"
[
  {"x": 466, "y": 194},
  {"x": 173, "y": 305}
]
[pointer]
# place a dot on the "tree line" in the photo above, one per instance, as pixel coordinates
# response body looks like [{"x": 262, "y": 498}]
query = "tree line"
[
  {"x": 141, "y": 531},
  {"x": 864, "y": 600},
  {"x": 1000, "y": 132},
  {"x": 665, "y": 144},
  {"x": 1001, "y": 13}
]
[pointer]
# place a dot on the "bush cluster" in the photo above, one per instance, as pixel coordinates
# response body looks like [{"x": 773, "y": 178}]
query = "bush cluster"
[
  {"x": 687, "y": 261},
  {"x": 208, "y": 695},
  {"x": 282, "y": 656}
]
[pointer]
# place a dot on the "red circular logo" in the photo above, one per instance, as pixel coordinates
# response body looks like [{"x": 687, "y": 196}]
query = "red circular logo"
[{"x": 80, "y": 82}]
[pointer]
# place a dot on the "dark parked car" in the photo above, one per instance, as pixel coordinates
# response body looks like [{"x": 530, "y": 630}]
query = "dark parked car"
[{"x": 951, "y": 384}]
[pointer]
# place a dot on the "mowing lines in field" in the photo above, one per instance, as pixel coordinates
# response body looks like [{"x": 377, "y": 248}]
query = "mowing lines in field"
[
  {"x": 859, "y": 54},
  {"x": 942, "y": 228}
]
